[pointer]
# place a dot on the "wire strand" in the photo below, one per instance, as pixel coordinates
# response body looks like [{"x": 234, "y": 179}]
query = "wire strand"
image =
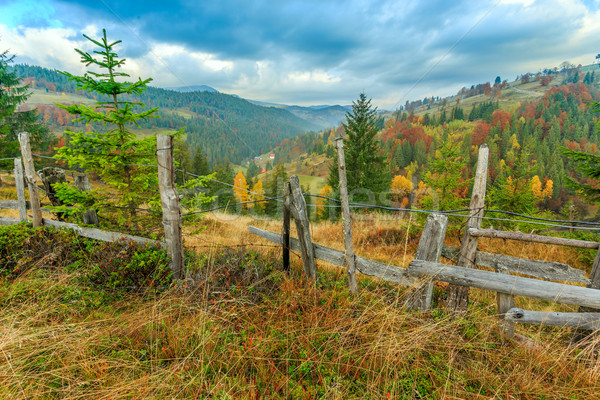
[{"x": 228, "y": 205}]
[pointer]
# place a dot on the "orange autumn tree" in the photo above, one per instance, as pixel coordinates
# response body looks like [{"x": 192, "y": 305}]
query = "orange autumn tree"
[{"x": 541, "y": 191}]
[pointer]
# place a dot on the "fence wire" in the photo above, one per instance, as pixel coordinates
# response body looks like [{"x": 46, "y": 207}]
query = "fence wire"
[{"x": 459, "y": 213}]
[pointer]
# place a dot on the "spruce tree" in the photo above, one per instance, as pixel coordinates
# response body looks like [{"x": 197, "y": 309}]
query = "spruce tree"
[
  {"x": 445, "y": 176},
  {"x": 13, "y": 121},
  {"x": 367, "y": 170},
  {"x": 116, "y": 155},
  {"x": 200, "y": 163},
  {"x": 275, "y": 188}
]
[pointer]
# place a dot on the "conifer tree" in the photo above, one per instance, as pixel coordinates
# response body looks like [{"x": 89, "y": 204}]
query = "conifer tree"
[
  {"x": 200, "y": 163},
  {"x": 222, "y": 192},
  {"x": 367, "y": 168},
  {"x": 275, "y": 189},
  {"x": 445, "y": 176},
  {"x": 13, "y": 121},
  {"x": 116, "y": 155}
]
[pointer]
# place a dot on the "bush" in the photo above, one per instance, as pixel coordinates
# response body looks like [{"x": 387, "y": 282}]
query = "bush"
[
  {"x": 120, "y": 265},
  {"x": 128, "y": 266}
]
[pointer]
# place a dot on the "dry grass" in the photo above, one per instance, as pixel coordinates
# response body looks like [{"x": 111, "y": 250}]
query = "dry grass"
[
  {"x": 62, "y": 339},
  {"x": 299, "y": 343}
]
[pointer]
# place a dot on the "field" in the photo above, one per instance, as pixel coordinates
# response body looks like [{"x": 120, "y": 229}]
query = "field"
[{"x": 74, "y": 326}]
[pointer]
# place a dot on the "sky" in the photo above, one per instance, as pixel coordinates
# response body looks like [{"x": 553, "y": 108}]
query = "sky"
[{"x": 311, "y": 52}]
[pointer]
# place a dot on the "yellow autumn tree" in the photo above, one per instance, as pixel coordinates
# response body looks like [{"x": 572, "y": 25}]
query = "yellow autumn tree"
[
  {"x": 322, "y": 210},
  {"x": 401, "y": 188},
  {"x": 420, "y": 192},
  {"x": 541, "y": 191},
  {"x": 259, "y": 194},
  {"x": 240, "y": 189}
]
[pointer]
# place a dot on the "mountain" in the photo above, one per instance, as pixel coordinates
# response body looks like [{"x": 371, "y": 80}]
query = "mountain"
[
  {"x": 324, "y": 116},
  {"x": 194, "y": 88},
  {"x": 224, "y": 127}
]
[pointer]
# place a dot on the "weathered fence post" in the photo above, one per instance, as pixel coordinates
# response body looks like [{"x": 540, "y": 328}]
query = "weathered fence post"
[
  {"x": 346, "y": 219},
  {"x": 430, "y": 249},
  {"x": 19, "y": 182},
  {"x": 286, "y": 227},
  {"x": 34, "y": 195},
  {"x": 457, "y": 297},
  {"x": 504, "y": 303},
  {"x": 170, "y": 203},
  {"x": 49, "y": 177},
  {"x": 90, "y": 217},
  {"x": 298, "y": 208}
]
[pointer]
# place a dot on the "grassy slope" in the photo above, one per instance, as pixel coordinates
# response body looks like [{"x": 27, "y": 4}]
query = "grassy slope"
[{"x": 62, "y": 338}]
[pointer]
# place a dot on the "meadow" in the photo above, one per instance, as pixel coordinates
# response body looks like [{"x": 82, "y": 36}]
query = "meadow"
[{"x": 83, "y": 319}]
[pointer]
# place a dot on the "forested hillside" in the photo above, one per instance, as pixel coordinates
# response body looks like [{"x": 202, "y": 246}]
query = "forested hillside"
[
  {"x": 227, "y": 128},
  {"x": 528, "y": 171}
]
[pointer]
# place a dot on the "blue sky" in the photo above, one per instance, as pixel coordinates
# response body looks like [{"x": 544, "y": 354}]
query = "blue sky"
[{"x": 312, "y": 51}]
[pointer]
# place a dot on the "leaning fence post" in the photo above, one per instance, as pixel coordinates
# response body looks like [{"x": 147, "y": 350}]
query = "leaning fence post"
[
  {"x": 169, "y": 199},
  {"x": 458, "y": 296},
  {"x": 21, "y": 201},
  {"x": 34, "y": 195},
  {"x": 298, "y": 208},
  {"x": 346, "y": 219},
  {"x": 286, "y": 227},
  {"x": 430, "y": 249}
]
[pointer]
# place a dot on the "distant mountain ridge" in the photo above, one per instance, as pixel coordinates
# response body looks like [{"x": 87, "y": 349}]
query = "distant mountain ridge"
[
  {"x": 192, "y": 88},
  {"x": 224, "y": 127},
  {"x": 325, "y": 116}
]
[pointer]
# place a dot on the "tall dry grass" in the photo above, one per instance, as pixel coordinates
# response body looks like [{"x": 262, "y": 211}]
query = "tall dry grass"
[
  {"x": 302, "y": 342},
  {"x": 62, "y": 339}
]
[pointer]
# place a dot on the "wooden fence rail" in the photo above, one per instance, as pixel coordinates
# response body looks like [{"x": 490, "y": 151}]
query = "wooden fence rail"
[
  {"x": 390, "y": 273},
  {"x": 549, "y": 270},
  {"x": 425, "y": 268},
  {"x": 585, "y": 321},
  {"x": 92, "y": 233},
  {"x": 527, "y": 237}
]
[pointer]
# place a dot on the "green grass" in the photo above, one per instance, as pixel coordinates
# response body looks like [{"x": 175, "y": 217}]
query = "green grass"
[
  {"x": 314, "y": 182},
  {"x": 42, "y": 97}
]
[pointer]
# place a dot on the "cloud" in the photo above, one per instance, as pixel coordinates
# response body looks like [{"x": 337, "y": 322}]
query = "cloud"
[{"x": 315, "y": 51}]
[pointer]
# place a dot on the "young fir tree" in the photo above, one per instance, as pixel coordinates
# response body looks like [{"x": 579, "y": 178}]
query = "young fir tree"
[
  {"x": 13, "y": 121},
  {"x": 367, "y": 171},
  {"x": 445, "y": 176},
  {"x": 116, "y": 155},
  {"x": 200, "y": 163}
]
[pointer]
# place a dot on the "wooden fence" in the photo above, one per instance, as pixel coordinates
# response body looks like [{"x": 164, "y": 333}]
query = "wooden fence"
[
  {"x": 426, "y": 267},
  {"x": 419, "y": 276},
  {"x": 169, "y": 200}
]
